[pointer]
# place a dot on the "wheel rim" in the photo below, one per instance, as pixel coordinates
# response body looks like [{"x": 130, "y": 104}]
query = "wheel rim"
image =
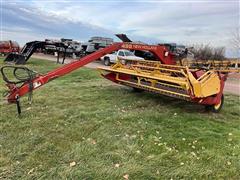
[{"x": 217, "y": 106}]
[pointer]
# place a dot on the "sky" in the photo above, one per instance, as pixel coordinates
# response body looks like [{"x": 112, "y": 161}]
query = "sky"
[{"x": 153, "y": 21}]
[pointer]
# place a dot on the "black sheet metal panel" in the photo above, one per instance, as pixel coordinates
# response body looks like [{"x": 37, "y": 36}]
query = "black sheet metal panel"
[{"x": 123, "y": 37}]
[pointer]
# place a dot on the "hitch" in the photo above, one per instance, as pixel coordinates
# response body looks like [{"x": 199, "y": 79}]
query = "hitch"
[
  {"x": 19, "y": 76},
  {"x": 18, "y": 106}
]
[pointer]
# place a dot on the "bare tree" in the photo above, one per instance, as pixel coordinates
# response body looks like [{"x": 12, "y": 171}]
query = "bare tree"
[
  {"x": 206, "y": 52},
  {"x": 219, "y": 53},
  {"x": 235, "y": 41}
]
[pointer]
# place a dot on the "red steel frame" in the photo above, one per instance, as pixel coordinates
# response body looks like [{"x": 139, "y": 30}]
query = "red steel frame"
[{"x": 160, "y": 51}]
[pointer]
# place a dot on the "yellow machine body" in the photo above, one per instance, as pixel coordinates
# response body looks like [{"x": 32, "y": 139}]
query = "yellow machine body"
[{"x": 171, "y": 80}]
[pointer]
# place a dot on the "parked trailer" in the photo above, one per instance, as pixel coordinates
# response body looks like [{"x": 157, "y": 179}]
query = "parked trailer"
[
  {"x": 96, "y": 43},
  {"x": 31, "y": 47}
]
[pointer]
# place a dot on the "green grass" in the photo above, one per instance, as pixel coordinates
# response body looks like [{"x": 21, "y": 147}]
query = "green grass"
[{"x": 86, "y": 119}]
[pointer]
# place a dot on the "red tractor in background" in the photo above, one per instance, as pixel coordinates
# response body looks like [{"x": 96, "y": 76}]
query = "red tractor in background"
[{"x": 7, "y": 47}]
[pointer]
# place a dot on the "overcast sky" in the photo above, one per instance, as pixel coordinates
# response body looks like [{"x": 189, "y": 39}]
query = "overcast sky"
[{"x": 186, "y": 22}]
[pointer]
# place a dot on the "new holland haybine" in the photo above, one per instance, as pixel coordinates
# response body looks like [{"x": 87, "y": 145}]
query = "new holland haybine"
[{"x": 192, "y": 82}]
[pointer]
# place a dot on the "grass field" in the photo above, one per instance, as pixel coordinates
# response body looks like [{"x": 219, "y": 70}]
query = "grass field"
[{"x": 82, "y": 126}]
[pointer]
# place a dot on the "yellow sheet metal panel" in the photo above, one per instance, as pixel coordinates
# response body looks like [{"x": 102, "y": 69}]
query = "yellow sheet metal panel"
[
  {"x": 207, "y": 85},
  {"x": 211, "y": 85}
]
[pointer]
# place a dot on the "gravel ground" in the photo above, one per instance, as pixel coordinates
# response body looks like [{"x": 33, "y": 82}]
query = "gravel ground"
[{"x": 93, "y": 65}]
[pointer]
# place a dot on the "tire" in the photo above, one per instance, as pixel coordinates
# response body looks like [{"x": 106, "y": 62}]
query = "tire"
[
  {"x": 124, "y": 62},
  {"x": 106, "y": 61},
  {"x": 137, "y": 90},
  {"x": 217, "y": 107}
]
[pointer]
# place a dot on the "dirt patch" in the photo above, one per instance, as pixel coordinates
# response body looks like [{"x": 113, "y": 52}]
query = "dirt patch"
[
  {"x": 232, "y": 86},
  {"x": 93, "y": 65},
  {"x": 234, "y": 76}
]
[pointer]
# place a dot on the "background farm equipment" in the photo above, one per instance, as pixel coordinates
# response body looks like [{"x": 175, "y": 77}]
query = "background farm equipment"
[
  {"x": 96, "y": 43},
  {"x": 7, "y": 47},
  {"x": 63, "y": 47},
  {"x": 72, "y": 48},
  {"x": 29, "y": 49}
]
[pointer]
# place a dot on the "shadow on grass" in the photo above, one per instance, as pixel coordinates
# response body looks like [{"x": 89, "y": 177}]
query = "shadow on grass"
[{"x": 158, "y": 99}]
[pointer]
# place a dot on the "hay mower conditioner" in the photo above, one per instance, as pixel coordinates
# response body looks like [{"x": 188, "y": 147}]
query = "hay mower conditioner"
[{"x": 203, "y": 86}]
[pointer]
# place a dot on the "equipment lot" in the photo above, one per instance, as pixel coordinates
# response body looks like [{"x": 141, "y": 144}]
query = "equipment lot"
[{"x": 87, "y": 127}]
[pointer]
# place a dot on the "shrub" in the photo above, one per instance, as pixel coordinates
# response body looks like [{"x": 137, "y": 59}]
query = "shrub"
[{"x": 206, "y": 52}]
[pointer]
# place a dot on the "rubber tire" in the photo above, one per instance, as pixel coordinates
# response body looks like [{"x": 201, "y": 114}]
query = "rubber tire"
[
  {"x": 215, "y": 109},
  {"x": 137, "y": 90},
  {"x": 124, "y": 62},
  {"x": 106, "y": 61}
]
